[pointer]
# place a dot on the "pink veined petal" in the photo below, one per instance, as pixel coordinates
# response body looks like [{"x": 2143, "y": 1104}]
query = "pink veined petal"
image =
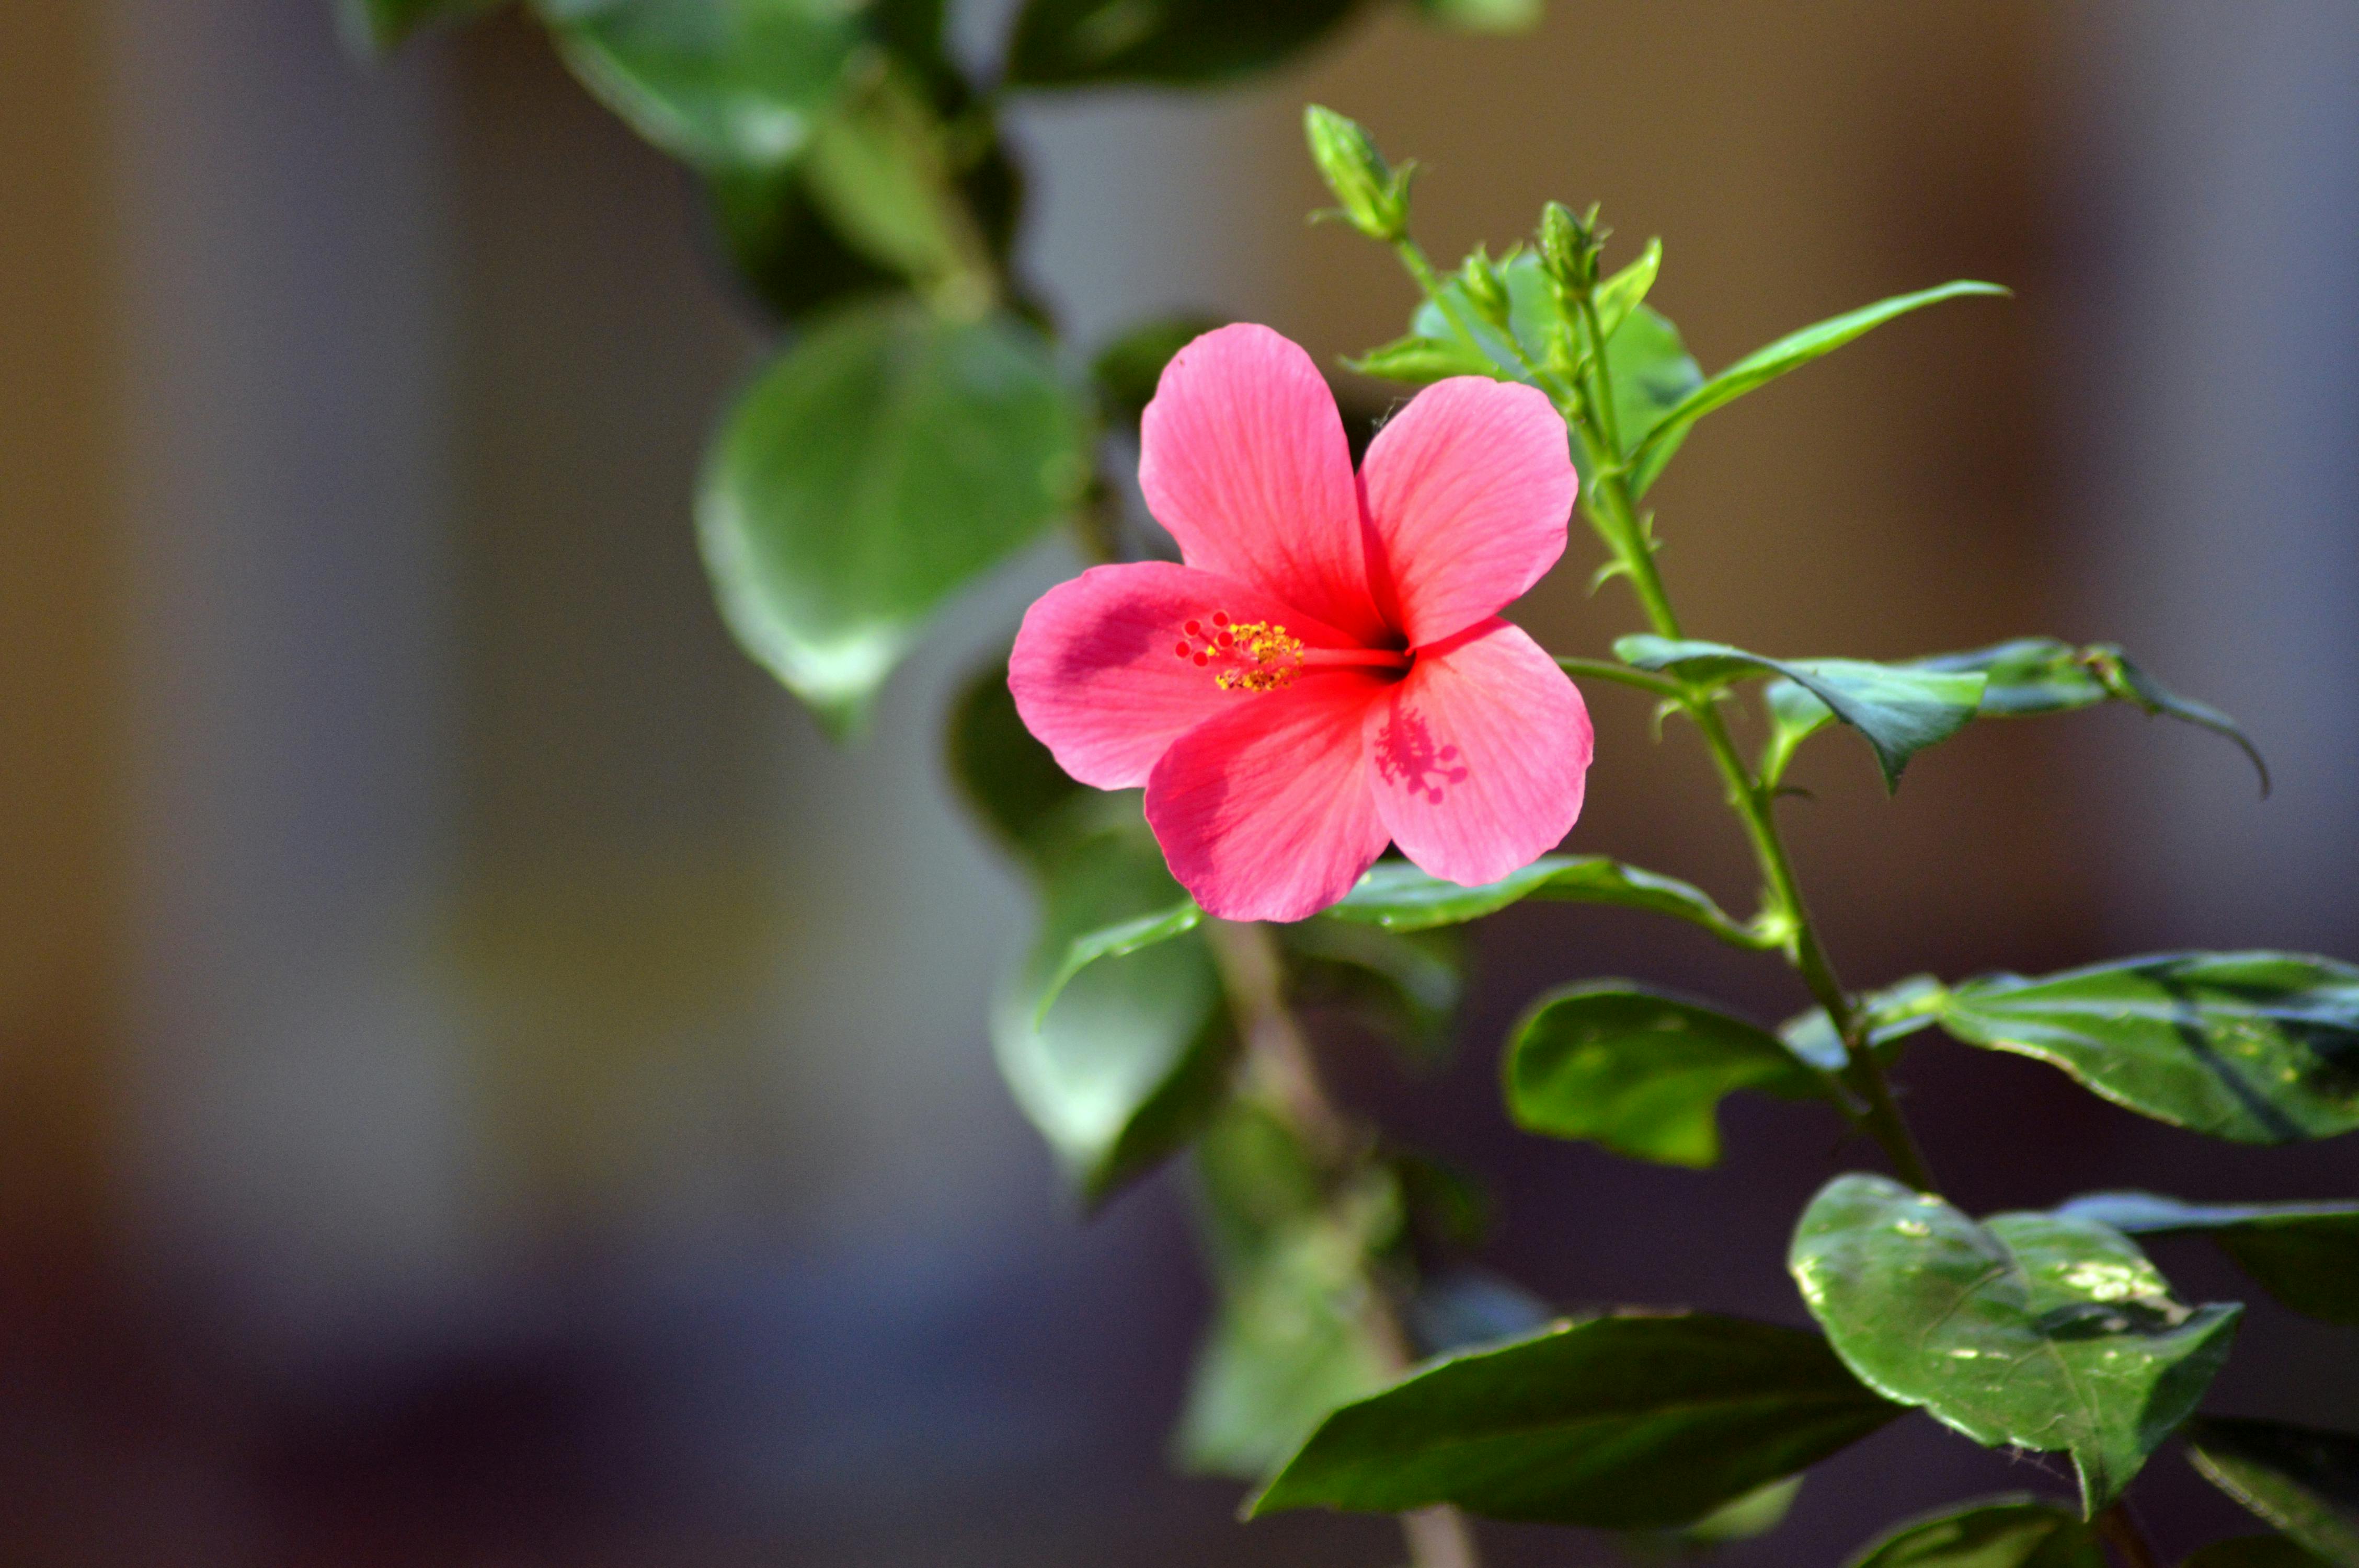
[
  {"x": 1099, "y": 675},
  {"x": 1265, "y": 813},
  {"x": 1469, "y": 490},
  {"x": 1241, "y": 456},
  {"x": 1479, "y": 756}
]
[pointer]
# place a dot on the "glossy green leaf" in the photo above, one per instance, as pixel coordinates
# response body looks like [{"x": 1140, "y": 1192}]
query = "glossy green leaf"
[
  {"x": 1134, "y": 1055},
  {"x": 1007, "y": 779},
  {"x": 1619, "y": 295},
  {"x": 2254, "y": 1552},
  {"x": 2303, "y": 1481},
  {"x": 1641, "y": 1071},
  {"x": 1617, "y": 1422},
  {"x": 2032, "y": 1329},
  {"x": 2031, "y": 675},
  {"x": 2013, "y": 1531},
  {"x": 1900, "y": 710},
  {"x": 2306, "y": 1254},
  {"x": 1399, "y": 897},
  {"x": 379, "y": 27},
  {"x": 1090, "y": 43},
  {"x": 1294, "y": 1334},
  {"x": 1406, "y": 985},
  {"x": 1893, "y": 1014},
  {"x": 1765, "y": 364},
  {"x": 1127, "y": 369},
  {"x": 882, "y": 463},
  {"x": 2253, "y": 1047},
  {"x": 722, "y": 84}
]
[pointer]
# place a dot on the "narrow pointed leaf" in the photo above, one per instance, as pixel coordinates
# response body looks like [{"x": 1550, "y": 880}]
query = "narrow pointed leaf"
[
  {"x": 2014, "y": 1532},
  {"x": 1641, "y": 1072},
  {"x": 2253, "y": 1047},
  {"x": 2032, "y": 1329},
  {"x": 2303, "y": 1481},
  {"x": 1765, "y": 364},
  {"x": 1617, "y": 295},
  {"x": 1617, "y": 1422},
  {"x": 1399, "y": 897},
  {"x": 2306, "y": 1254},
  {"x": 1900, "y": 710}
]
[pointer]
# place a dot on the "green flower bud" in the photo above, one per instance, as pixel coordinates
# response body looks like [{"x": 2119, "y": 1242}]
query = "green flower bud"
[
  {"x": 1375, "y": 195},
  {"x": 1568, "y": 247},
  {"x": 1486, "y": 289}
]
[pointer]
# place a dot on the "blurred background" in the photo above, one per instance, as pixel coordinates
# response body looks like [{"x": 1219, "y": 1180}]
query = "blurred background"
[{"x": 483, "y": 1081}]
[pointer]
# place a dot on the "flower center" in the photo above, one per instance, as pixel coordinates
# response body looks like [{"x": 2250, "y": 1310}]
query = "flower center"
[{"x": 1249, "y": 656}]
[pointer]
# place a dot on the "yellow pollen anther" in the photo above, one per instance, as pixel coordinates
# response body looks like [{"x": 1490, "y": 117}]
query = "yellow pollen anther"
[{"x": 1248, "y": 656}]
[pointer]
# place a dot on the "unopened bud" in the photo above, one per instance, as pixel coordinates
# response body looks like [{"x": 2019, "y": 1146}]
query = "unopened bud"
[
  {"x": 1568, "y": 246},
  {"x": 1486, "y": 289},
  {"x": 1375, "y": 195}
]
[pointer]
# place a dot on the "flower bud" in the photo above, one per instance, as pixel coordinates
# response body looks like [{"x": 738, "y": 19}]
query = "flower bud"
[
  {"x": 1486, "y": 289},
  {"x": 1568, "y": 246},
  {"x": 1375, "y": 195}
]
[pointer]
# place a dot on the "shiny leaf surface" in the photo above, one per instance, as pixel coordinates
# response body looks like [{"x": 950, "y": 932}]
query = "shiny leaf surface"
[
  {"x": 1641, "y": 1071},
  {"x": 2032, "y": 1329},
  {"x": 2014, "y": 1532},
  {"x": 2306, "y": 1254},
  {"x": 882, "y": 463},
  {"x": 2253, "y": 1047},
  {"x": 1618, "y": 1422},
  {"x": 1399, "y": 897},
  {"x": 2303, "y": 1481}
]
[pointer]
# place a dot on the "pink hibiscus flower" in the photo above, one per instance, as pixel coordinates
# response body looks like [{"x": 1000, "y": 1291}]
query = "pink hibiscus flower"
[{"x": 1327, "y": 672}]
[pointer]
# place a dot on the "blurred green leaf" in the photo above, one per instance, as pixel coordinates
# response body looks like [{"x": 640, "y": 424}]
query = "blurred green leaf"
[
  {"x": 1007, "y": 779},
  {"x": 1641, "y": 1072},
  {"x": 2253, "y": 1047},
  {"x": 1121, "y": 1060},
  {"x": 722, "y": 84},
  {"x": 1898, "y": 710},
  {"x": 1619, "y": 295},
  {"x": 2254, "y": 1552},
  {"x": 2306, "y": 1254},
  {"x": 1405, "y": 985},
  {"x": 2302, "y": 1481},
  {"x": 377, "y": 28},
  {"x": 782, "y": 248},
  {"x": 1617, "y": 1422},
  {"x": 880, "y": 168},
  {"x": 1484, "y": 16},
  {"x": 1296, "y": 1333},
  {"x": 1420, "y": 361},
  {"x": 1093, "y": 43},
  {"x": 1893, "y": 1013},
  {"x": 882, "y": 463},
  {"x": 2032, "y": 1329},
  {"x": 2013, "y": 1531},
  {"x": 1399, "y": 897},
  {"x": 1127, "y": 369},
  {"x": 1648, "y": 455},
  {"x": 1754, "y": 1515}
]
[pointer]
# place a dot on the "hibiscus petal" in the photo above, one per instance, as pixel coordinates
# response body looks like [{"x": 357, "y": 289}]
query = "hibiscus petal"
[
  {"x": 1265, "y": 813},
  {"x": 1479, "y": 755},
  {"x": 1241, "y": 456},
  {"x": 1469, "y": 490},
  {"x": 1099, "y": 675}
]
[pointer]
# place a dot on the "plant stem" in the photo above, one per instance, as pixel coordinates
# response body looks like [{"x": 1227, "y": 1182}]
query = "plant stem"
[
  {"x": 2129, "y": 1542},
  {"x": 1279, "y": 1063}
]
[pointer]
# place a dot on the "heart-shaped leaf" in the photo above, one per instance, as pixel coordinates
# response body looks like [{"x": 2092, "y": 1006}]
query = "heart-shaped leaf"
[
  {"x": 1618, "y": 1422},
  {"x": 2306, "y": 1254},
  {"x": 2032, "y": 1329},
  {"x": 1898, "y": 710},
  {"x": 885, "y": 462},
  {"x": 2013, "y": 1531},
  {"x": 2253, "y": 1047},
  {"x": 2302, "y": 1481},
  {"x": 1641, "y": 1072},
  {"x": 1399, "y": 897}
]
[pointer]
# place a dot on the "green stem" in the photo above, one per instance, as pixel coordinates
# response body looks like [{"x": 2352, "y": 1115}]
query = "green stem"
[{"x": 1605, "y": 669}]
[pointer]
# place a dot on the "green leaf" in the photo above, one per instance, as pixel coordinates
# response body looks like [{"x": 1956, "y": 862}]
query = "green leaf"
[
  {"x": 1127, "y": 369},
  {"x": 880, "y": 168},
  {"x": 1898, "y": 710},
  {"x": 378, "y": 27},
  {"x": 1893, "y": 1014},
  {"x": 1766, "y": 365},
  {"x": 782, "y": 249},
  {"x": 1090, "y": 43},
  {"x": 1121, "y": 1056},
  {"x": 2254, "y": 1552},
  {"x": 1398, "y": 896},
  {"x": 1641, "y": 1071},
  {"x": 2305, "y": 1254},
  {"x": 881, "y": 464},
  {"x": 1296, "y": 1331},
  {"x": 2031, "y": 675},
  {"x": 1616, "y": 296},
  {"x": 1007, "y": 779},
  {"x": 2302, "y": 1481},
  {"x": 1617, "y": 1422},
  {"x": 2253, "y": 1047},
  {"x": 2013, "y": 1531},
  {"x": 1483, "y": 16},
  {"x": 1421, "y": 361},
  {"x": 2032, "y": 1329},
  {"x": 1405, "y": 985},
  {"x": 1755, "y": 1514},
  {"x": 721, "y": 84}
]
